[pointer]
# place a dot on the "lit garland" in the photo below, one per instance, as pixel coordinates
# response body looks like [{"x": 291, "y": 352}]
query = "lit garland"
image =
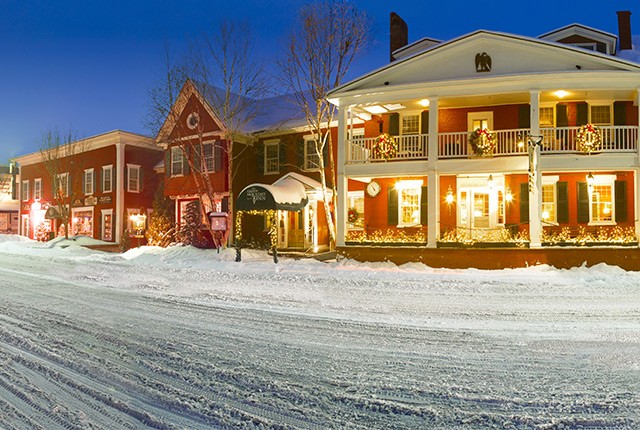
[
  {"x": 388, "y": 236},
  {"x": 589, "y": 138},
  {"x": 615, "y": 235},
  {"x": 464, "y": 236},
  {"x": 482, "y": 142},
  {"x": 272, "y": 219},
  {"x": 385, "y": 147}
]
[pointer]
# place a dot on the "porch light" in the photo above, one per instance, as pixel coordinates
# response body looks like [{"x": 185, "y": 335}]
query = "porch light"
[
  {"x": 545, "y": 215},
  {"x": 507, "y": 195},
  {"x": 561, "y": 94},
  {"x": 424, "y": 102},
  {"x": 375, "y": 109},
  {"x": 394, "y": 106},
  {"x": 449, "y": 197},
  {"x": 590, "y": 179}
]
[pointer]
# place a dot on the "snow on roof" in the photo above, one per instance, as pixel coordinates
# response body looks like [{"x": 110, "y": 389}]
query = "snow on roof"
[{"x": 634, "y": 53}]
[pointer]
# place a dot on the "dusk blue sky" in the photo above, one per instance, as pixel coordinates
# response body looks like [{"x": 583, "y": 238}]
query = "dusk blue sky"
[{"x": 87, "y": 66}]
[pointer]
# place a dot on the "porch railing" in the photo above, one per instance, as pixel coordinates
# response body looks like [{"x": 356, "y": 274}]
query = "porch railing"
[{"x": 556, "y": 140}]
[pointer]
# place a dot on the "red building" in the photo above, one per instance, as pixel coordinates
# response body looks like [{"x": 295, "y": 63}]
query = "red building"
[{"x": 106, "y": 181}]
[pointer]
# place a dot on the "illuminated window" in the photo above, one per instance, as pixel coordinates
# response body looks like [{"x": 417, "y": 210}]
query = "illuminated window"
[
  {"x": 546, "y": 117},
  {"x": 549, "y": 203},
  {"x": 37, "y": 189},
  {"x": 355, "y": 213},
  {"x": 133, "y": 181},
  {"x": 410, "y": 124},
  {"x": 88, "y": 182},
  {"x": 208, "y": 164},
  {"x": 409, "y": 194},
  {"x": 82, "y": 221},
  {"x": 25, "y": 191},
  {"x": 311, "y": 157},
  {"x": 601, "y": 115},
  {"x": 271, "y": 157},
  {"x": 106, "y": 179},
  {"x": 177, "y": 161},
  {"x": 601, "y": 199},
  {"x": 61, "y": 185}
]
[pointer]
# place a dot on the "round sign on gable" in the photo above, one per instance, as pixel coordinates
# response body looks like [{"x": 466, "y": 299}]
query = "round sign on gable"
[{"x": 193, "y": 120}]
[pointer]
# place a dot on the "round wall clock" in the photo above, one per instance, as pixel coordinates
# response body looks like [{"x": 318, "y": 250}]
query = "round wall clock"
[{"x": 373, "y": 188}]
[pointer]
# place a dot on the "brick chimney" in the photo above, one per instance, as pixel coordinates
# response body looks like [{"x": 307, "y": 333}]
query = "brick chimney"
[
  {"x": 624, "y": 29},
  {"x": 399, "y": 34}
]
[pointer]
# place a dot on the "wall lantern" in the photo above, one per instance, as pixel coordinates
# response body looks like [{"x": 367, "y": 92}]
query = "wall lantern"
[
  {"x": 449, "y": 197},
  {"x": 508, "y": 196},
  {"x": 590, "y": 179}
]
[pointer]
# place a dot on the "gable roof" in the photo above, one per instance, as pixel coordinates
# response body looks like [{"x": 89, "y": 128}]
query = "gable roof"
[{"x": 583, "y": 31}]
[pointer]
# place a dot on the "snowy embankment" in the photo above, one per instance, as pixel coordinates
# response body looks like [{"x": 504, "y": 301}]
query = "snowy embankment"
[{"x": 185, "y": 338}]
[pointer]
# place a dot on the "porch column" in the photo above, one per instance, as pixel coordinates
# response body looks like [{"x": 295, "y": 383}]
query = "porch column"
[
  {"x": 433, "y": 190},
  {"x": 120, "y": 187},
  {"x": 342, "y": 183},
  {"x": 535, "y": 175}
]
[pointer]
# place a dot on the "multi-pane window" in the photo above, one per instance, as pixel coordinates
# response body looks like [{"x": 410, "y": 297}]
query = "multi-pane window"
[
  {"x": 208, "y": 164},
  {"x": 25, "y": 191},
  {"x": 601, "y": 198},
  {"x": 546, "y": 117},
  {"x": 410, "y": 124},
  {"x": 177, "y": 161},
  {"x": 61, "y": 185},
  {"x": 480, "y": 124},
  {"x": 88, "y": 181},
  {"x": 271, "y": 157},
  {"x": 355, "y": 212},
  {"x": 409, "y": 206},
  {"x": 311, "y": 157},
  {"x": 601, "y": 115},
  {"x": 107, "y": 186},
  {"x": 37, "y": 189},
  {"x": 549, "y": 203},
  {"x": 133, "y": 181}
]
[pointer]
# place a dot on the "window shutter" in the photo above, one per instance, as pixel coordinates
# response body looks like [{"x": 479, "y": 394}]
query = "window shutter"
[
  {"x": 621, "y": 201},
  {"x": 282, "y": 155},
  {"x": 185, "y": 160},
  {"x": 392, "y": 206},
  {"x": 583, "y": 202},
  {"x": 562, "y": 120},
  {"x": 140, "y": 179},
  {"x": 582, "y": 113},
  {"x": 126, "y": 178},
  {"x": 217, "y": 156},
  {"x": 197, "y": 157},
  {"x": 619, "y": 113},
  {"x": 259, "y": 148},
  {"x": 424, "y": 122},
  {"x": 224, "y": 206},
  {"x": 167, "y": 162},
  {"x": 300, "y": 144},
  {"x": 524, "y": 116},
  {"x": 394, "y": 124},
  {"x": 424, "y": 206},
  {"x": 96, "y": 175},
  {"x": 562, "y": 201},
  {"x": 524, "y": 202}
]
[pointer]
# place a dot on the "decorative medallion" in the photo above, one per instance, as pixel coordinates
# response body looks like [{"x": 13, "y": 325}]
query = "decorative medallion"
[
  {"x": 483, "y": 62},
  {"x": 193, "y": 120}
]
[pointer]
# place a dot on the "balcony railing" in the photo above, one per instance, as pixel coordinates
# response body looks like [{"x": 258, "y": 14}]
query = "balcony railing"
[{"x": 556, "y": 140}]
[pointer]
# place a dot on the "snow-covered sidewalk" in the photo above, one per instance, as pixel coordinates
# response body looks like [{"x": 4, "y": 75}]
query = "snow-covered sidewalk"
[{"x": 185, "y": 338}]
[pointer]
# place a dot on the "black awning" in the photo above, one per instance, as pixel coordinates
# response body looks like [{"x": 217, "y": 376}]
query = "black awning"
[
  {"x": 52, "y": 213},
  {"x": 288, "y": 197}
]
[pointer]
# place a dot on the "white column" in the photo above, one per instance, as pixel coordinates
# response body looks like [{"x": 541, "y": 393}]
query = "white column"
[
  {"x": 433, "y": 190},
  {"x": 120, "y": 187},
  {"x": 342, "y": 182},
  {"x": 535, "y": 191}
]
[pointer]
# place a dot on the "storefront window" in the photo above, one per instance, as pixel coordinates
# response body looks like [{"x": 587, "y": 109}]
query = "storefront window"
[{"x": 82, "y": 222}]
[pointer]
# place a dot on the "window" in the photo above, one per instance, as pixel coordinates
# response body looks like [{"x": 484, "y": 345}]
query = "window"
[
  {"x": 311, "y": 157},
  {"x": 61, "y": 185},
  {"x": 82, "y": 219},
  {"x": 133, "y": 181},
  {"x": 271, "y": 157},
  {"x": 88, "y": 182},
  {"x": 208, "y": 164},
  {"x": 107, "y": 186},
  {"x": 177, "y": 161},
  {"x": 410, "y": 124},
  {"x": 37, "y": 189},
  {"x": 601, "y": 115},
  {"x": 549, "y": 203},
  {"x": 355, "y": 211},
  {"x": 136, "y": 222},
  {"x": 25, "y": 191},
  {"x": 547, "y": 117},
  {"x": 409, "y": 193}
]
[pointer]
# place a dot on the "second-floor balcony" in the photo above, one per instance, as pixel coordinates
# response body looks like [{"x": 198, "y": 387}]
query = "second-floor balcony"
[{"x": 556, "y": 140}]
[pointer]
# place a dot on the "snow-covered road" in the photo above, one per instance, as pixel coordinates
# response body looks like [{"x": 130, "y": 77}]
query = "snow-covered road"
[{"x": 182, "y": 338}]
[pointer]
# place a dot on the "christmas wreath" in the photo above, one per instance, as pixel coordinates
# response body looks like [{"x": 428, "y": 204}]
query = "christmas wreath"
[
  {"x": 385, "y": 147},
  {"x": 482, "y": 141},
  {"x": 589, "y": 138},
  {"x": 352, "y": 215}
]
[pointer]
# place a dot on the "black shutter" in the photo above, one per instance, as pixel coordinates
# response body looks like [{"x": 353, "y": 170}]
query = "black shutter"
[
  {"x": 394, "y": 124},
  {"x": 621, "y": 201},
  {"x": 524, "y": 116},
  {"x": 225, "y": 204},
  {"x": 524, "y": 202},
  {"x": 260, "y": 158},
  {"x": 424, "y": 120},
  {"x": 140, "y": 179},
  {"x": 583, "y": 202},
  {"x": 167, "y": 162},
  {"x": 392, "y": 206},
  {"x": 197, "y": 157},
  {"x": 217, "y": 156},
  {"x": 300, "y": 144},
  {"x": 185, "y": 159},
  {"x": 424, "y": 206},
  {"x": 125, "y": 185},
  {"x": 582, "y": 113},
  {"x": 562, "y": 120},
  {"x": 562, "y": 201},
  {"x": 95, "y": 180},
  {"x": 282, "y": 155},
  {"x": 619, "y": 113}
]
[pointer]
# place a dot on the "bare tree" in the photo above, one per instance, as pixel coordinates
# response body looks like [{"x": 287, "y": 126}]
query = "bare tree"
[
  {"x": 62, "y": 162},
  {"x": 224, "y": 71},
  {"x": 321, "y": 47}
]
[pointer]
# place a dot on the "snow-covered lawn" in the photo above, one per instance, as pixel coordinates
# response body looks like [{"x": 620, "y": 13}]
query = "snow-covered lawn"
[{"x": 184, "y": 338}]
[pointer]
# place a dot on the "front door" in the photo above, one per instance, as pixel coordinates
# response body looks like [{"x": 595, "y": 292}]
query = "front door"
[
  {"x": 474, "y": 209},
  {"x": 296, "y": 230}
]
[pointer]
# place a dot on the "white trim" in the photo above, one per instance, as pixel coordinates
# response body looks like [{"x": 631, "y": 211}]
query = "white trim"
[
  {"x": 105, "y": 212},
  {"x": 37, "y": 188},
  {"x": 83, "y": 209},
  {"x": 84, "y": 181},
  {"x": 180, "y": 150},
  {"x": 270, "y": 143},
  {"x": 131, "y": 168},
  {"x": 24, "y": 196},
  {"x": 474, "y": 116},
  {"x": 108, "y": 168},
  {"x": 606, "y": 180}
]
